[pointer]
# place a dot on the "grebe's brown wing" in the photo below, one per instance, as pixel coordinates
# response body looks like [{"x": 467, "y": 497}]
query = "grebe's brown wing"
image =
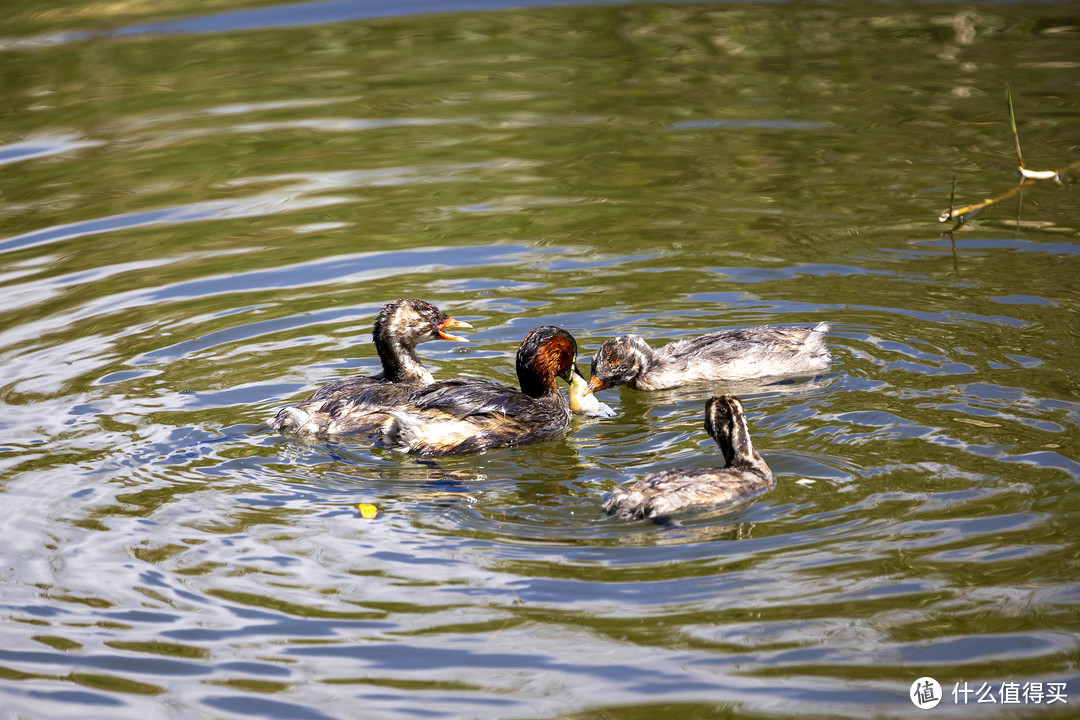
[
  {"x": 362, "y": 392},
  {"x": 468, "y": 397},
  {"x": 342, "y": 408}
]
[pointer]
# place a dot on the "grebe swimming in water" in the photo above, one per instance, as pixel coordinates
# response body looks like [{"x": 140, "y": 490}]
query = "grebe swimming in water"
[
  {"x": 450, "y": 417},
  {"x": 352, "y": 405},
  {"x": 743, "y": 475},
  {"x": 732, "y": 355}
]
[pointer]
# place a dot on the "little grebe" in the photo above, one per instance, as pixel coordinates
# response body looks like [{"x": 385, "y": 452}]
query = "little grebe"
[
  {"x": 459, "y": 416},
  {"x": 744, "y": 474},
  {"x": 352, "y": 405},
  {"x": 732, "y": 355}
]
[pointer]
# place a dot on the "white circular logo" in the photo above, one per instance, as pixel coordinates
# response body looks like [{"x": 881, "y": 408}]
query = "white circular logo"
[{"x": 925, "y": 693}]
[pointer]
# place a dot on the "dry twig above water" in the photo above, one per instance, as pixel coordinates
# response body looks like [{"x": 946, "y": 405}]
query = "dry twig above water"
[{"x": 1027, "y": 178}]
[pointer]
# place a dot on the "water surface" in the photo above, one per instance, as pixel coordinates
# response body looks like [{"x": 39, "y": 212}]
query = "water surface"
[{"x": 203, "y": 207}]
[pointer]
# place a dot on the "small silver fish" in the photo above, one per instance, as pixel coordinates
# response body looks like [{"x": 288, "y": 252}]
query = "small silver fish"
[{"x": 583, "y": 404}]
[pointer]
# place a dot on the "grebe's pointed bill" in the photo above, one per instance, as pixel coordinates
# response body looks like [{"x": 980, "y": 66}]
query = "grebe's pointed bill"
[
  {"x": 595, "y": 384},
  {"x": 452, "y": 323}
]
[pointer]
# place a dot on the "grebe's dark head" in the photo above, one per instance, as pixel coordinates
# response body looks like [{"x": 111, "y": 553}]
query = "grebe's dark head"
[
  {"x": 618, "y": 361},
  {"x": 409, "y": 322},
  {"x": 725, "y": 421},
  {"x": 546, "y": 353}
]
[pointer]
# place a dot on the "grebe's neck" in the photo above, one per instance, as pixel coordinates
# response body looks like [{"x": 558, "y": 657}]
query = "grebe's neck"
[
  {"x": 545, "y": 353},
  {"x": 399, "y": 360},
  {"x": 641, "y": 358},
  {"x": 725, "y": 420},
  {"x": 739, "y": 448}
]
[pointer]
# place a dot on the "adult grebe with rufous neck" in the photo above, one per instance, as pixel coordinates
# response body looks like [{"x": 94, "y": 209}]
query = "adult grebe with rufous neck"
[{"x": 451, "y": 417}]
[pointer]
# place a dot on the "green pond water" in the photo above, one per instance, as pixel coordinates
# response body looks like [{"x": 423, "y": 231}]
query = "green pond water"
[{"x": 203, "y": 205}]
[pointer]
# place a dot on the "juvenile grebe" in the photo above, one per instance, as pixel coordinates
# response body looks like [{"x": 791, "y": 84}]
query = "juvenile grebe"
[
  {"x": 459, "y": 416},
  {"x": 744, "y": 474},
  {"x": 748, "y": 353},
  {"x": 351, "y": 405}
]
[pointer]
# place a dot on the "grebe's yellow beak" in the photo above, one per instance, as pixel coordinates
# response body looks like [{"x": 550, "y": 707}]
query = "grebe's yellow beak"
[
  {"x": 595, "y": 384},
  {"x": 452, "y": 323}
]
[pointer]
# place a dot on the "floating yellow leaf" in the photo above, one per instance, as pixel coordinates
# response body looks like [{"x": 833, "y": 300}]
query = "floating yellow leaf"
[{"x": 367, "y": 511}]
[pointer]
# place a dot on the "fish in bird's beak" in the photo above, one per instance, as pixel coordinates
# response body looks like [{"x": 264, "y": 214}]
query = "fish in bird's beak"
[
  {"x": 581, "y": 402},
  {"x": 595, "y": 384},
  {"x": 452, "y": 323}
]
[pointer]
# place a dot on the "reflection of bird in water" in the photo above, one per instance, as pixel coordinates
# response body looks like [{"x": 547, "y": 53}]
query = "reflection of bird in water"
[
  {"x": 353, "y": 404},
  {"x": 730, "y": 355},
  {"x": 459, "y": 416},
  {"x": 744, "y": 474}
]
